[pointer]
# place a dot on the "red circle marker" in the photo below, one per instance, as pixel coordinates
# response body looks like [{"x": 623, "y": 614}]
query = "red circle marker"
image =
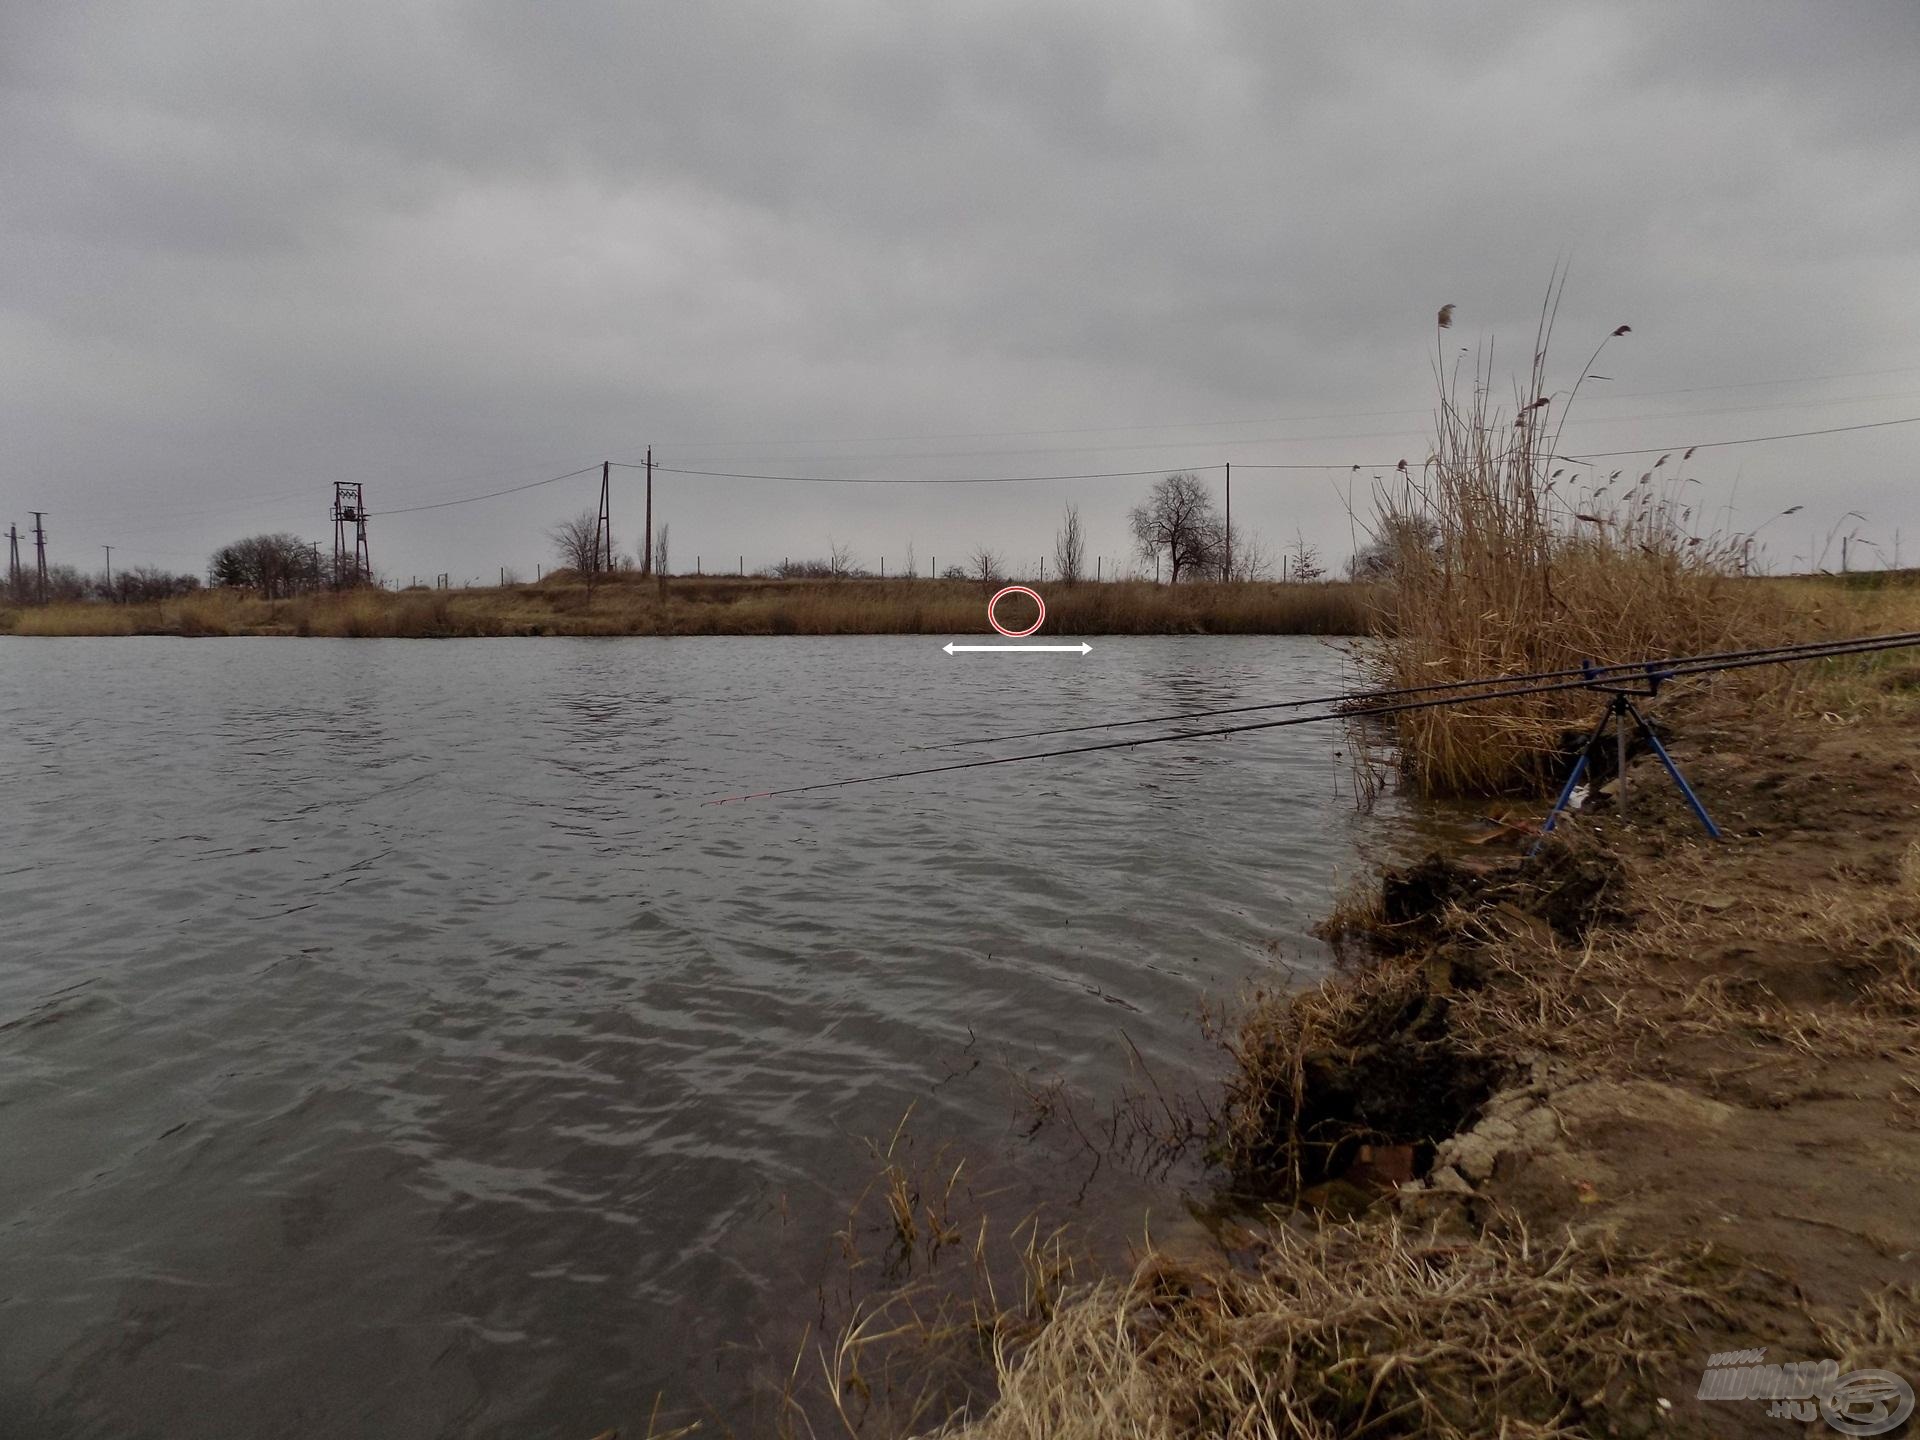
[{"x": 1017, "y": 590}]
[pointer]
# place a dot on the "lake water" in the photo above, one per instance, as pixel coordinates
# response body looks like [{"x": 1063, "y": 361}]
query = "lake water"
[{"x": 393, "y": 1042}]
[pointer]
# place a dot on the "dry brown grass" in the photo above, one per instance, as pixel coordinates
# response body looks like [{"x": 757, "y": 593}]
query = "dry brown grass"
[
  {"x": 214, "y": 612},
  {"x": 685, "y": 605},
  {"x": 1510, "y": 559},
  {"x": 71, "y": 620},
  {"x": 1883, "y": 1333},
  {"x": 1368, "y": 1329}
]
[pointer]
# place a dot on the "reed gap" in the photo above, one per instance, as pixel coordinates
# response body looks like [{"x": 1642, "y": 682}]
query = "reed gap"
[
  {"x": 630, "y": 604},
  {"x": 1502, "y": 556}
]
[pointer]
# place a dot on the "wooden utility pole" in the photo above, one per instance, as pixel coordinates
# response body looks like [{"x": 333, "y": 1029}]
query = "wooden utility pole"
[
  {"x": 13, "y": 561},
  {"x": 109, "y": 550},
  {"x": 40, "y": 551},
  {"x": 1229, "y": 557},
  {"x": 647, "y": 567},
  {"x": 603, "y": 526}
]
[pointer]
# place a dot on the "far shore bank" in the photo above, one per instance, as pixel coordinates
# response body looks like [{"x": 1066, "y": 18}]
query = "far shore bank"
[{"x": 627, "y": 604}]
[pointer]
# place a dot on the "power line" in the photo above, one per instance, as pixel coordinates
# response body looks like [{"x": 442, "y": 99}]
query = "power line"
[
  {"x": 1246, "y": 440},
  {"x": 1248, "y": 465},
  {"x": 490, "y": 495},
  {"x": 885, "y": 480},
  {"x": 1268, "y": 419},
  {"x": 262, "y": 501},
  {"x": 1357, "y": 697},
  {"x": 1748, "y": 440},
  {"x": 1105, "y": 474},
  {"x": 1607, "y": 454}
]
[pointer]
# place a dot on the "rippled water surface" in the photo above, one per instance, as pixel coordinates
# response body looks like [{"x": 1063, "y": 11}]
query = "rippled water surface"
[{"x": 392, "y": 1042}]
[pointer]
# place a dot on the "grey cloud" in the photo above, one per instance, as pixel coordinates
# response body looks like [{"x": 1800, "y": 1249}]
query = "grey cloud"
[{"x": 253, "y": 247}]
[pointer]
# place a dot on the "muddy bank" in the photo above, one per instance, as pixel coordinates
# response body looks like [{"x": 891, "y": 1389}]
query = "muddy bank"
[{"x": 1706, "y": 1053}]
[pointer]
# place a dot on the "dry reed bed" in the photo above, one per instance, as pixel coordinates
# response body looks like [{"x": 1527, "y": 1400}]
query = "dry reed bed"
[
  {"x": 1508, "y": 558},
  {"x": 712, "y": 606}
]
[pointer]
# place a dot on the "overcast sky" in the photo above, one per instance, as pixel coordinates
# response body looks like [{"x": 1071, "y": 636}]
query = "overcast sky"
[{"x": 252, "y": 248}]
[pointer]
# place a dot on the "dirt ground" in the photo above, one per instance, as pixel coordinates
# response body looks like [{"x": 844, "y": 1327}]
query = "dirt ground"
[{"x": 1727, "y": 1062}]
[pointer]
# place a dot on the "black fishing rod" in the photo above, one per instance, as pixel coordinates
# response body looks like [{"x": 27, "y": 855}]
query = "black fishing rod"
[
  {"x": 1622, "y": 670},
  {"x": 1652, "y": 670}
]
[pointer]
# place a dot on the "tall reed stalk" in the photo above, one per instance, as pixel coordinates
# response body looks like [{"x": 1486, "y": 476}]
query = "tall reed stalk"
[{"x": 1504, "y": 557}]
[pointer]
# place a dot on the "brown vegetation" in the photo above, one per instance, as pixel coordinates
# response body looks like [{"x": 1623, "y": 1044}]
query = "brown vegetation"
[
  {"x": 1507, "y": 558},
  {"x": 628, "y": 604}
]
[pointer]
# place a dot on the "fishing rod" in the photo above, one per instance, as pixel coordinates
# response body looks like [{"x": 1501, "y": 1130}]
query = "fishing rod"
[
  {"x": 1619, "y": 670},
  {"x": 1653, "y": 670}
]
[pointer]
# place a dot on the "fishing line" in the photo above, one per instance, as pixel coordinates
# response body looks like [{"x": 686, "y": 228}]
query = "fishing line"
[
  {"x": 1662, "y": 669},
  {"x": 1622, "y": 670}
]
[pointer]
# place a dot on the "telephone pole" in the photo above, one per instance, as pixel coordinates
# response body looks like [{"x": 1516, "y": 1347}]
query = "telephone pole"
[
  {"x": 646, "y": 559},
  {"x": 1229, "y": 565},
  {"x": 109, "y": 550},
  {"x": 40, "y": 551},
  {"x": 603, "y": 526},
  {"x": 13, "y": 561}
]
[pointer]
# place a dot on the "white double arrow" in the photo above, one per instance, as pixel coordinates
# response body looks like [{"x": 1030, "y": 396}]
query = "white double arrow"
[{"x": 1081, "y": 649}]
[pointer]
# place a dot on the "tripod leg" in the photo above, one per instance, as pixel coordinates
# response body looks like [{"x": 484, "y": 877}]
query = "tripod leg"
[
  {"x": 1620, "y": 756},
  {"x": 1573, "y": 779},
  {"x": 1686, "y": 790}
]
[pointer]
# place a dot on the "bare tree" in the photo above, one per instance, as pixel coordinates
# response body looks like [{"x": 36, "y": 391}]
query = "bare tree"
[
  {"x": 660, "y": 551},
  {"x": 1070, "y": 546},
  {"x": 986, "y": 563},
  {"x": 1177, "y": 517},
  {"x": 577, "y": 543},
  {"x": 840, "y": 561},
  {"x": 275, "y": 565},
  {"x": 912, "y": 569}
]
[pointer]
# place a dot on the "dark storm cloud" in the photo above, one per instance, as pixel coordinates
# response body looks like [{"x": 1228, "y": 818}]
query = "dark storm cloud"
[{"x": 252, "y": 247}]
